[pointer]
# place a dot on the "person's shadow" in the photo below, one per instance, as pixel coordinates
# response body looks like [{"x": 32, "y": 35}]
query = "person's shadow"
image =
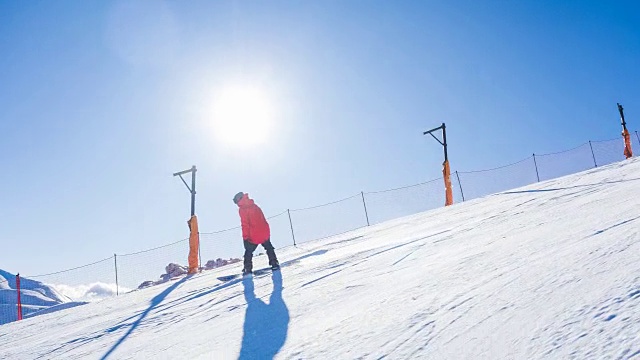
[{"x": 265, "y": 325}]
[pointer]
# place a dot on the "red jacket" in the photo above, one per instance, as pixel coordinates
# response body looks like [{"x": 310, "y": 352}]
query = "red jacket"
[{"x": 255, "y": 228}]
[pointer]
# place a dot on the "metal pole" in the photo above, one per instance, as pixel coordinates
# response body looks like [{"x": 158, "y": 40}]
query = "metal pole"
[
  {"x": 625, "y": 133},
  {"x": 291, "y": 224},
  {"x": 193, "y": 211},
  {"x": 193, "y": 190},
  {"x": 622, "y": 121},
  {"x": 460, "y": 184},
  {"x": 638, "y": 136},
  {"x": 593, "y": 154},
  {"x": 444, "y": 140},
  {"x": 365, "y": 208},
  {"x": 446, "y": 170},
  {"x": 536, "y": 165},
  {"x": 115, "y": 264}
]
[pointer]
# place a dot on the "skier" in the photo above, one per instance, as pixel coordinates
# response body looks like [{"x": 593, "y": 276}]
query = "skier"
[{"x": 255, "y": 231}]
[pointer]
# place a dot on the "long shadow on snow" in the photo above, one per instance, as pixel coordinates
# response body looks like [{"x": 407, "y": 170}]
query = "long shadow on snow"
[
  {"x": 157, "y": 300},
  {"x": 205, "y": 292},
  {"x": 265, "y": 325}
]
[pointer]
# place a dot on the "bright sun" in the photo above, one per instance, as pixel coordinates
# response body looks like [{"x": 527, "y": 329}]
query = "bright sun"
[{"x": 242, "y": 116}]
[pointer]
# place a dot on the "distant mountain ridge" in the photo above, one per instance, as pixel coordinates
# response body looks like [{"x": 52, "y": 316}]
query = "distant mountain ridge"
[{"x": 35, "y": 297}]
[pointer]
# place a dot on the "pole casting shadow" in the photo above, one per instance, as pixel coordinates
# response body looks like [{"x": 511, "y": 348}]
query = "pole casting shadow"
[
  {"x": 157, "y": 300},
  {"x": 265, "y": 325}
]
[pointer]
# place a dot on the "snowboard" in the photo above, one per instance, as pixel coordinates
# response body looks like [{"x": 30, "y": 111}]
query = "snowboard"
[
  {"x": 256, "y": 273},
  {"x": 259, "y": 272}
]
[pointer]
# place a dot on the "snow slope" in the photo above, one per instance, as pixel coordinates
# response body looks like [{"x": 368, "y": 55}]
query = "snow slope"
[
  {"x": 35, "y": 297},
  {"x": 546, "y": 271}
]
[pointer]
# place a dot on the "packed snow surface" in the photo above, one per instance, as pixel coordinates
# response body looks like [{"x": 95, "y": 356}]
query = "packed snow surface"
[{"x": 551, "y": 270}]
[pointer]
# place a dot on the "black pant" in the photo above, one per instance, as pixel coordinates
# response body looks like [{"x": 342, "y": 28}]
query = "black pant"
[{"x": 249, "y": 248}]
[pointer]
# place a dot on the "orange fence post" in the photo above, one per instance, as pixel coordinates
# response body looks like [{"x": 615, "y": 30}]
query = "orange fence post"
[
  {"x": 194, "y": 245},
  {"x": 625, "y": 134},
  {"x": 446, "y": 172},
  {"x": 19, "y": 298},
  {"x": 627, "y": 144}
]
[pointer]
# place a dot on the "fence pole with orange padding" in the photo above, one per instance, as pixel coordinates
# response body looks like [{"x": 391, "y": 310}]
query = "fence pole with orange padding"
[
  {"x": 446, "y": 170},
  {"x": 194, "y": 235},
  {"x": 446, "y": 173},
  {"x": 627, "y": 143},
  {"x": 194, "y": 245},
  {"x": 625, "y": 134},
  {"x": 19, "y": 297}
]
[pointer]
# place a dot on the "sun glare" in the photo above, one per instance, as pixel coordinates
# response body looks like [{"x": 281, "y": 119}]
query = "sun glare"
[{"x": 242, "y": 116}]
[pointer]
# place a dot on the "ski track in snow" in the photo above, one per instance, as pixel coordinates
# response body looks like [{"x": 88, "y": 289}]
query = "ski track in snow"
[{"x": 546, "y": 271}]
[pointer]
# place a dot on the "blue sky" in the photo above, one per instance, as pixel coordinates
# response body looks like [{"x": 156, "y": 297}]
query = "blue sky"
[{"x": 100, "y": 102}]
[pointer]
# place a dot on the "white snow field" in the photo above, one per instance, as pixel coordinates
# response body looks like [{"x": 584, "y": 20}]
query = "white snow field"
[{"x": 547, "y": 271}]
